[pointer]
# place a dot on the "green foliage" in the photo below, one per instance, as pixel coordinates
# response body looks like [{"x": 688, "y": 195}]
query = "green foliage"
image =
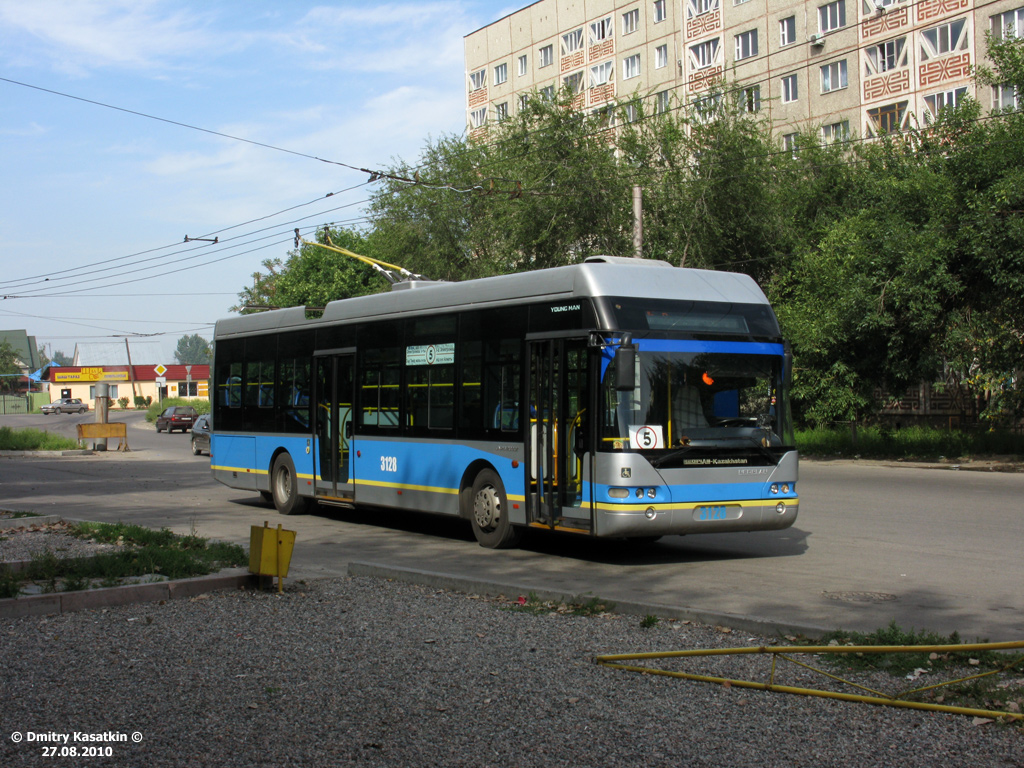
[
  {"x": 8, "y": 365},
  {"x": 140, "y": 402},
  {"x": 883, "y": 442},
  {"x": 649, "y": 621},
  {"x": 33, "y": 440},
  {"x": 123, "y": 402},
  {"x": 899, "y": 664},
  {"x": 313, "y": 276},
  {"x": 192, "y": 350}
]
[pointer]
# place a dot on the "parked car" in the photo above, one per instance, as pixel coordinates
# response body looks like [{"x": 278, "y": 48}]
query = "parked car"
[
  {"x": 176, "y": 417},
  {"x": 201, "y": 434},
  {"x": 65, "y": 405}
]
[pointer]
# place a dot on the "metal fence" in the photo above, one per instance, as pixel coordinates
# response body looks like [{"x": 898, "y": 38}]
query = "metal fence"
[{"x": 13, "y": 404}]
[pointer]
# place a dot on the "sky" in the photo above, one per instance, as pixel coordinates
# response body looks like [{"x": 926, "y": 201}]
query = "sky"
[{"x": 115, "y": 118}]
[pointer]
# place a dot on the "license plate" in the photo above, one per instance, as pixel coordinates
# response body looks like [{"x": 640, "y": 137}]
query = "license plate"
[{"x": 707, "y": 512}]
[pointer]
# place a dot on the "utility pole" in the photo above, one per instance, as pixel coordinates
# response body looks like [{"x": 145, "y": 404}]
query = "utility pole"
[
  {"x": 638, "y": 222},
  {"x": 131, "y": 370}
]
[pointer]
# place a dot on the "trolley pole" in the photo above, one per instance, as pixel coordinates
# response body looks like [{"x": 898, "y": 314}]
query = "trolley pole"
[{"x": 638, "y": 222}]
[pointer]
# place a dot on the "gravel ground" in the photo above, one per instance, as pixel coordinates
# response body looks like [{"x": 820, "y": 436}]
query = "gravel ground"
[
  {"x": 376, "y": 673},
  {"x": 21, "y": 539}
]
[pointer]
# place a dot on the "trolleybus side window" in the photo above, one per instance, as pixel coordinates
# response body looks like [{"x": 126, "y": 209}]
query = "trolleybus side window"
[
  {"x": 294, "y": 393},
  {"x": 380, "y": 385}
]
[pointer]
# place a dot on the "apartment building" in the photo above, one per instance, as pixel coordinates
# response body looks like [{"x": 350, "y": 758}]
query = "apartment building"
[{"x": 841, "y": 67}]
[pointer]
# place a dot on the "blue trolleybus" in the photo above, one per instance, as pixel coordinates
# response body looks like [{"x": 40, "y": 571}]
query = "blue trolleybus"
[{"x": 616, "y": 398}]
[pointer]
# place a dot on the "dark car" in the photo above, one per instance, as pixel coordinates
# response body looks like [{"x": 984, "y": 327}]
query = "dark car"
[
  {"x": 201, "y": 434},
  {"x": 176, "y": 417},
  {"x": 65, "y": 405}
]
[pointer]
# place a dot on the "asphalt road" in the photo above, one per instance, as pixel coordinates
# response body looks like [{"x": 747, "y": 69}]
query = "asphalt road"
[{"x": 929, "y": 548}]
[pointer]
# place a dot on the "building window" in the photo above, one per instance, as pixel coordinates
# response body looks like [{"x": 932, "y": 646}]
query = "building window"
[
  {"x": 605, "y": 117},
  {"x": 787, "y": 31},
  {"x": 522, "y": 65},
  {"x": 600, "y": 31},
  {"x": 1009, "y": 24},
  {"x": 789, "y": 89},
  {"x": 630, "y": 21},
  {"x": 632, "y": 111},
  {"x": 739, "y": 2},
  {"x": 600, "y": 74},
  {"x": 704, "y": 54},
  {"x": 500, "y": 74},
  {"x": 631, "y": 67},
  {"x": 833, "y": 76},
  {"x": 477, "y": 80},
  {"x": 572, "y": 41},
  {"x": 661, "y": 102},
  {"x": 940, "y": 40},
  {"x": 887, "y": 119},
  {"x": 832, "y": 16},
  {"x": 789, "y": 142},
  {"x": 478, "y": 118},
  {"x": 574, "y": 82},
  {"x": 835, "y": 132},
  {"x": 1004, "y": 97},
  {"x": 546, "y": 56},
  {"x": 661, "y": 56},
  {"x": 706, "y": 109},
  {"x": 746, "y": 45},
  {"x": 659, "y": 11},
  {"x": 940, "y": 101},
  {"x": 700, "y": 7},
  {"x": 886, "y": 56},
  {"x": 547, "y": 93},
  {"x": 524, "y": 101},
  {"x": 501, "y": 111},
  {"x": 750, "y": 99}
]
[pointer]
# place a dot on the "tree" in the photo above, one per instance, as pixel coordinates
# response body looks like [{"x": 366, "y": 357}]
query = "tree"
[
  {"x": 313, "y": 276},
  {"x": 8, "y": 366},
  {"x": 192, "y": 350}
]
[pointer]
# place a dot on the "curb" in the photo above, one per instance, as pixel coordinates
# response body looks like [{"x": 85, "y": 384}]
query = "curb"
[
  {"x": 91, "y": 599},
  {"x": 752, "y": 624},
  {"x": 46, "y": 454}
]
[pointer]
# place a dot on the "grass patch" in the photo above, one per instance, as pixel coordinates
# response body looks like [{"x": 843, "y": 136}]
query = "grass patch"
[
  {"x": 534, "y": 605},
  {"x": 142, "y": 552},
  {"x": 33, "y": 440},
  {"x": 923, "y": 443},
  {"x": 14, "y": 514},
  {"x": 1001, "y": 690},
  {"x": 201, "y": 406}
]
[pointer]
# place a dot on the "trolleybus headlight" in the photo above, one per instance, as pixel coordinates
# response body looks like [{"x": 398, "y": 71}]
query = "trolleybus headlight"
[
  {"x": 639, "y": 493},
  {"x": 650, "y": 514},
  {"x": 781, "y": 507},
  {"x": 651, "y": 493},
  {"x": 785, "y": 487},
  {"x": 774, "y": 488},
  {"x": 618, "y": 493}
]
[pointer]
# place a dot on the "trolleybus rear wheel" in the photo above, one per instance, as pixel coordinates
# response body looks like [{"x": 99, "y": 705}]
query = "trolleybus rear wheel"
[
  {"x": 284, "y": 487},
  {"x": 489, "y": 513}
]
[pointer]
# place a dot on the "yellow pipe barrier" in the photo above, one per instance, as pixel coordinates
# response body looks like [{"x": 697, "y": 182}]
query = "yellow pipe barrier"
[{"x": 612, "y": 661}]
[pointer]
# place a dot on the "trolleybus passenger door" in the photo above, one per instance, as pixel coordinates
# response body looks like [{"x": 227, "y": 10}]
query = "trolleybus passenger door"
[
  {"x": 333, "y": 426},
  {"x": 557, "y": 443}
]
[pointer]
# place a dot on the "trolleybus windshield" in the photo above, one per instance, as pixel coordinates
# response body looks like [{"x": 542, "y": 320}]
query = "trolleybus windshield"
[{"x": 698, "y": 399}]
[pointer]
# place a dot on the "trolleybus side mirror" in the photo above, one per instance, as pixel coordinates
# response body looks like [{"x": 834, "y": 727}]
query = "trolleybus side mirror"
[{"x": 625, "y": 364}]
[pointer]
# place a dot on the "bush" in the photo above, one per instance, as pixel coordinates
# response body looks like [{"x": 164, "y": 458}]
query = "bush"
[
  {"x": 140, "y": 402},
  {"x": 884, "y": 442},
  {"x": 123, "y": 402}
]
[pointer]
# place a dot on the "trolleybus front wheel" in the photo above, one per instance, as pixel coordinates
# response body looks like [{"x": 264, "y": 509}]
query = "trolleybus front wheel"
[
  {"x": 284, "y": 487},
  {"x": 489, "y": 514}
]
